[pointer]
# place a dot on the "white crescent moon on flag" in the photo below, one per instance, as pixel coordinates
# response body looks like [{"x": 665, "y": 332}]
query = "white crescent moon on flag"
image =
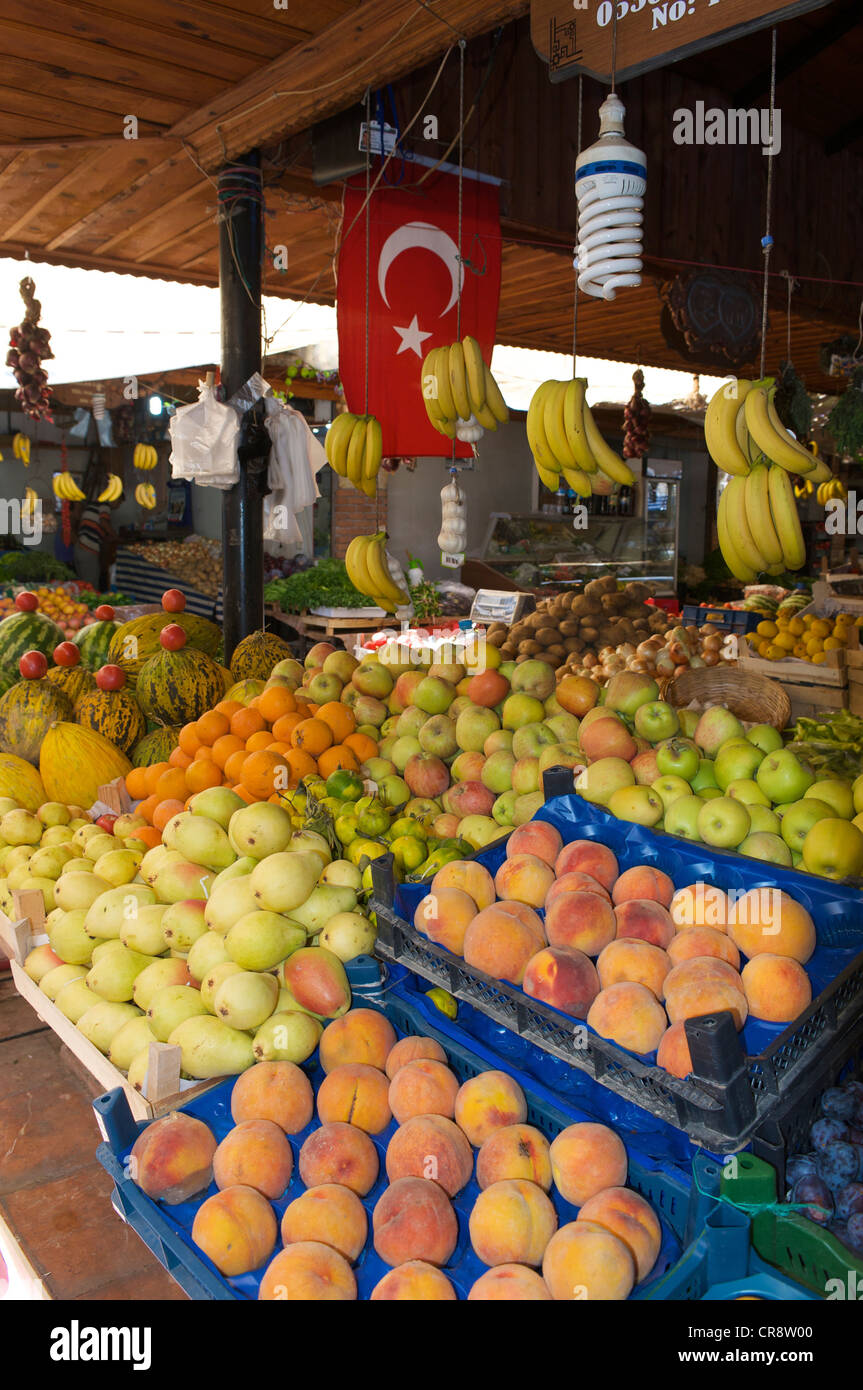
[{"x": 429, "y": 238}]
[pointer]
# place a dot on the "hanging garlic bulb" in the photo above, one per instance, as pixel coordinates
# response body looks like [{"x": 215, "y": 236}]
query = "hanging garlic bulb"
[
  {"x": 469, "y": 431},
  {"x": 453, "y": 534}
]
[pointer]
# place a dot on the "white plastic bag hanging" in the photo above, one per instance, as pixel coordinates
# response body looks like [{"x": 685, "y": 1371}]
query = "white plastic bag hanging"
[
  {"x": 295, "y": 459},
  {"x": 204, "y": 440}
]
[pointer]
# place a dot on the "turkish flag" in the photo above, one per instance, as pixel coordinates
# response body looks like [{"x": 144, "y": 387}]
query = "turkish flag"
[{"x": 413, "y": 294}]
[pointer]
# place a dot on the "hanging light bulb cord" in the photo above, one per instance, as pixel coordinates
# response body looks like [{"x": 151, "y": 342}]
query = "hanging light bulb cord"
[
  {"x": 767, "y": 239},
  {"x": 575, "y": 298}
]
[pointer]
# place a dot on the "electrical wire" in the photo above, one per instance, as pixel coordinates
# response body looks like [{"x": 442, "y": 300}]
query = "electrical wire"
[
  {"x": 767, "y": 239},
  {"x": 575, "y": 276}
]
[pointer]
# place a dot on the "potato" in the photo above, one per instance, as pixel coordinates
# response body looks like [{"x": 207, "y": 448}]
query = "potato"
[
  {"x": 526, "y": 649},
  {"x": 545, "y": 636}
]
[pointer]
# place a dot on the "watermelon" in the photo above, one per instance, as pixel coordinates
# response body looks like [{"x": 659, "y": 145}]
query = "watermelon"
[
  {"x": 26, "y": 632},
  {"x": 93, "y": 642}
]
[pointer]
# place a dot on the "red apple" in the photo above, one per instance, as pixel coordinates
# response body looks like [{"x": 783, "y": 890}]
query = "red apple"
[
  {"x": 111, "y": 677},
  {"x": 173, "y": 601},
  {"x": 66, "y": 654},
  {"x": 26, "y": 602},
  {"x": 33, "y": 665},
  {"x": 104, "y": 613},
  {"x": 172, "y": 637}
]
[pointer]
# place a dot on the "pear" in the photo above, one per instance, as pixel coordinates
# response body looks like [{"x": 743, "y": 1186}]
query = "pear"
[
  {"x": 318, "y": 980},
  {"x": 246, "y": 1000},
  {"x": 230, "y": 901},
  {"x": 100, "y": 1024},
  {"x": 98, "y": 845},
  {"x": 342, "y": 874},
  {"x": 59, "y": 835},
  {"x": 75, "y": 999},
  {"x": 348, "y": 935},
  {"x": 207, "y": 951},
  {"x": 169, "y": 1006},
  {"x": 287, "y": 1003},
  {"x": 116, "y": 906},
  {"x": 54, "y": 813},
  {"x": 69, "y": 939},
  {"x": 45, "y": 886},
  {"x": 60, "y": 976},
  {"x": 218, "y": 804},
  {"x": 84, "y": 833},
  {"x": 49, "y": 860},
  {"x": 238, "y": 869},
  {"x": 40, "y": 961},
  {"x": 79, "y": 865},
  {"x": 128, "y": 1042},
  {"x": 18, "y": 854},
  {"x": 283, "y": 881},
  {"x": 260, "y": 940},
  {"x": 101, "y": 948},
  {"x": 184, "y": 924},
  {"x": 178, "y": 880},
  {"x": 125, "y": 824},
  {"x": 20, "y": 876},
  {"x": 7, "y": 803},
  {"x": 213, "y": 979},
  {"x": 156, "y": 976},
  {"x": 310, "y": 842},
  {"x": 291, "y": 1036},
  {"x": 143, "y": 931},
  {"x": 199, "y": 839},
  {"x": 154, "y": 860},
  {"x": 21, "y": 827},
  {"x": 258, "y": 830},
  {"x": 210, "y": 1048},
  {"x": 113, "y": 976},
  {"x": 136, "y": 1073},
  {"x": 118, "y": 866},
  {"x": 322, "y": 904}
]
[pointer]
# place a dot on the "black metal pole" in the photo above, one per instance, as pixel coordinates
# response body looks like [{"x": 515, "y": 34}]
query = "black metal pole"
[{"x": 240, "y": 254}]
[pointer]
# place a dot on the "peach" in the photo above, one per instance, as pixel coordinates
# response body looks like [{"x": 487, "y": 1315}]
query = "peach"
[
  {"x": 629, "y": 961},
  {"x": 423, "y": 1087},
  {"x": 582, "y": 921},
  {"x": 172, "y": 1159},
  {"x": 330, "y": 1214},
  {"x": 501, "y": 944},
  {"x": 703, "y": 941},
  {"x": 645, "y": 920},
  {"x": 564, "y": 978},
  {"x": 414, "y": 1220},
  {"x": 643, "y": 882},
  {"x": 524, "y": 878},
  {"x": 339, "y": 1153},
  {"x": 254, "y": 1154},
  {"x": 516, "y": 1151},
  {"x": 673, "y": 1051},
  {"x": 236, "y": 1229},
  {"x": 509, "y": 1284},
  {"x": 538, "y": 838},
  {"x": 607, "y": 737},
  {"x": 414, "y": 1282},
  {"x": 472, "y": 878},
  {"x": 411, "y": 1050},
  {"x": 697, "y": 969},
  {"x": 308, "y": 1272},
  {"x": 708, "y": 995},
  {"x": 629, "y": 1217},
  {"x": 700, "y": 905},
  {"x": 576, "y": 882},
  {"x": 588, "y": 857},
  {"x": 766, "y": 920},
  {"x": 444, "y": 916},
  {"x": 487, "y": 1102},
  {"x": 277, "y": 1091},
  {"x": 630, "y": 1016},
  {"x": 585, "y": 1158},
  {"x": 430, "y": 1146},
  {"x": 525, "y": 915},
  {"x": 585, "y": 1261},
  {"x": 363, "y": 1035},
  {"x": 511, "y": 1223},
  {"x": 355, "y": 1094},
  {"x": 777, "y": 988}
]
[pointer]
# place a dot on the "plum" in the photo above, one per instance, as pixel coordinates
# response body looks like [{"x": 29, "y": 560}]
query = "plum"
[
  {"x": 828, "y": 1131},
  {"x": 849, "y": 1200},
  {"x": 838, "y": 1164},
  {"x": 854, "y": 1236},
  {"x": 799, "y": 1166},
  {"x": 815, "y": 1199},
  {"x": 838, "y": 1105}
]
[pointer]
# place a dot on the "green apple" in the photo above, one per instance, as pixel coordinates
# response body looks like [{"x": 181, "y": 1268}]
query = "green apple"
[
  {"x": 782, "y": 777},
  {"x": 834, "y": 849},
  {"x": 629, "y": 690},
  {"x": 836, "y": 793},
  {"x": 688, "y": 719},
  {"x": 735, "y": 761},
  {"x": 677, "y": 757},
  {"x": 670, "y": 788},
  {"x": 747, "y": 790},
  {"x": 723, "y": 822},
  {"x": 798, "y": 819},
  {"x": 763, "y": 819},
  {"x": 681, "y": 818},
  {"x": 656, "y": 721},
  {"x": 797, "y": 862},
  {"x": 604, "y": 777},
  {"x": 705, "y": 776},
  {"x": 765, "y": 737},
  {"x": 709, "y": 793},
  {"x": 641, "y": 805},
  {"x": 763, "y": 845},
  {"x": 715, "y": 727}
]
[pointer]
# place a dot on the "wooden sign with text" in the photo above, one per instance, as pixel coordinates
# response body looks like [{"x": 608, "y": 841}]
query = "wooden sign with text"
[{"x": 574, "y": 36}]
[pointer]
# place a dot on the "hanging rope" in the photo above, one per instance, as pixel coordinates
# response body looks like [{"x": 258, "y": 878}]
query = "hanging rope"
[
  {"x": 767, "y": 239},
  {"x": 575, "y": 297},
  {"x": 368, "y": 232},
  {"x": 462, "y": 45},
  {"x": 614, "y": 49}
]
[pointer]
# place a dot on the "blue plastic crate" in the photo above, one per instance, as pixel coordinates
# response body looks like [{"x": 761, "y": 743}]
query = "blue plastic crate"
[
  {"x": 166, "y": 1230},
  {"x": 739, "y": 620}
]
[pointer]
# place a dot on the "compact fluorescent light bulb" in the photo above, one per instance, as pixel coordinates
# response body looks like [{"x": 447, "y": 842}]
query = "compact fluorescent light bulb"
[{"x": 610, "y": 181}]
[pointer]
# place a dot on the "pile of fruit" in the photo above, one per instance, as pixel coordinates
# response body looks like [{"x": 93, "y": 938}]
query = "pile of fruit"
[
  {"x": 61, "y": 604},
  {"x": 391, "y": 1158},
  {"x": 827, "y": 1183},
  {"x": 803, "y": 635},
  {"x": 195, "y": 561},
  {"x": 627, "y": 951}
]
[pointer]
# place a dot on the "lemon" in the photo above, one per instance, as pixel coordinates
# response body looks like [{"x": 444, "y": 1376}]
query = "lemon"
[
  {"x": 775, "y": 653},
  {"x": 833, "y": 644},
  {"x": 799, "y": 649},
  {"x": 797, "y": 626},
  {"x": 782, "y": 621},
  {"x": 767, "y": 629},
  {"x": 443, "y": 1001},
  {"x": 818, "y": 657},
  {"x": 820, "y": 628},
  {"x": 763, "y": 647},
  {"x": 785, "y": 640},
  {"x": 814, "y": 644},
  {"x": 808, "y": 619}
]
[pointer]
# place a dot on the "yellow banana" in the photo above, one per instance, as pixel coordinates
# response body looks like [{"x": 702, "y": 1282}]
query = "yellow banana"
[
  {"x": 573, "y": 421},
  {"x": 820, "y": 473},
  {"x": 493, "y": 398},
  {"x": 536, "y": 436},
  {"x": 374, "y": 449},
  {"x": 607, "y": 460},
  {"x": 485, "y": 418},
  {"x": 578, "y": 481},
  {"x": 770, "y": 434},
  {"x": 431, "y": 398},
  {"x": 553, "y": 424},
  {"x": 355, "y": 564},
  {"x": 758, "y": 515},
  {"x": 547, "y": 477},
  {"x": 337, "y": 440},
  {"x": 356, "y": 450},
  {"x": 786, "y": 519},
  {"x": 394, "y": 597},
  {"x": 458, "y": 381},
  {"x": 475, "y": 373},
  {"x": 738, "y": 525},
  {"x": 738, "y": 568},
  {"x": 720, "y": 428},
  {"x": 444, "y": 389}
]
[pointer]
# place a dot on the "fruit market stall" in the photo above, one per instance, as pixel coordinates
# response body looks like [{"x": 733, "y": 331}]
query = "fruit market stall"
[{"x": 193, "y": 566}]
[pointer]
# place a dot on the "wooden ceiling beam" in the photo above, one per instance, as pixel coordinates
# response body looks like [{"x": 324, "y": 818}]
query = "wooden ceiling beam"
[
  {"x": 81, "y": 223},
  {"x": 20, "y": 251},
  {"x": 161, "y": 246},
  {"x": 199, "y": 187},
  {"x": 848, "y": 134},
  {"x": 799, "y": 55},
  {"x": 70, "y": 180}
]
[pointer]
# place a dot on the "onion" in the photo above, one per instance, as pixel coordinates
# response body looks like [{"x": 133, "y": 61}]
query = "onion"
[
  {"x": 709, "y": 629},
  {"x": 712, "y": 643},
  {"x": 680, "y": 670},
  {"x": 633, "y": 664},
  {"x": 590, "y": 659},
  {"x": 645, "y": 649},
  {"x": 693, "y": 631},
  {"x": 626, "y": 649},
  {"x": 664, "y": 664},
  {"x": 711, "y": 658},
  {"x": 695, "y": 662},
  {"x": 678, "y": 653}
]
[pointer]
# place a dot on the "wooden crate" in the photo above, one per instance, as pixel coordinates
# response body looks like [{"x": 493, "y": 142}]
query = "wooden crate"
[
  {"x": 855, "y": 686},
  {"x": 164, "y": 1089}
]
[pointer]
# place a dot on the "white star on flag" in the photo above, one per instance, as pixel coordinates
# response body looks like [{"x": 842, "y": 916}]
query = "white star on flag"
[{"x": 412, "y": 338}]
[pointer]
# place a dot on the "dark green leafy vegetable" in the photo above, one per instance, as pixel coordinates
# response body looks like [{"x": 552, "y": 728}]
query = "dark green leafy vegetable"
[
  {"x": 30, "y": 565},
  {"x": 845, "y": 421},
  {"x": 325, "y": 585}
]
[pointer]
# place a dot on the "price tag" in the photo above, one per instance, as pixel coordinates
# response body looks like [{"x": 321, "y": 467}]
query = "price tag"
[{"x": 452, "y": 562}]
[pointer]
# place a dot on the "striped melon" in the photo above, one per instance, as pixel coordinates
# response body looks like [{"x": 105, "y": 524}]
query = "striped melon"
[
  {"x": 115, "y": 714},
  {"x": 201, "y": 635},
  {"x": 75, "y": 762},
  {"x": 257, "y": 654},
  {"x": 27, "y": 632},
  {"x": 156, "y": 746},
  {"x": 93, "y": 642},
  {"x": 27, "y": 710},
  {"x": 21, "y": 781},
  {"x": 177, "y": 687},
  {"x": 74, "y": 681}
]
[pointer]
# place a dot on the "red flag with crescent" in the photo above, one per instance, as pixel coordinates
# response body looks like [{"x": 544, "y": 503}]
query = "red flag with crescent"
[{"x": 414, "y": 276}]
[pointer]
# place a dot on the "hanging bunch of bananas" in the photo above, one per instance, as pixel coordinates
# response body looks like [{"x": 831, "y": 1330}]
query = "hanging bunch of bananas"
[
  {"x": 462, "y": 398},
  {"x": 566, "y": 443},
  {"x": 28, "y": 505},
  {"x": 828, "y": 491},
  {"x": 354, "y": 448},
  {"x": 145, "y": 457},
  {"x": 742, "y": 427},
  {"x": 21, "y": 448},
  {"x": 145, "y": 496},
  {"x": 112, "y": 490},
  {"x": 374, "y": 572},
  {"x": 66, "y": 488},
  {"x": 805, "y": 488}
]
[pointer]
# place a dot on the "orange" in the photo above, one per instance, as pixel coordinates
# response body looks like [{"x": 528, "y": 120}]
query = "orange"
[
  {"x": 177, "y": 758},
  {"x": 335, "y": 758},
  {"x": 211, "y": 726},
  {"x": 154, "y": 772},
  {"x": 204, "y": 754},
  {"x": 280, "y": 747},
  {"x": 189, "y": 741},
  {"x": 312, "y": 735},
  {"x": 244, "y": 793},
  {"x": 247, "y": 722},
  {"x": 284, "y": 727},
  {"x": 202, "y": 775},
  {"x": 234, "y": 765},
  {"x": 172, "y": 785},
  {"x": 225, "y": 746},
  {"x": 264, "y": 772},
  {"x": 228, "y": 707},
  {"x": 363, "y": 746},
  {"x": 165, "y": 810},
  {"x": 300, "y": 765},
  {"x": 136, "y": 783},
  {"x": 339, "y": 718},
  {"x": 147, "y": 807},
  {"x": 276, "y": 701},
  {"x": 148, "y": 835},
  {"x": 262, "y": 739},
  {"x": 308, "y": 707}
]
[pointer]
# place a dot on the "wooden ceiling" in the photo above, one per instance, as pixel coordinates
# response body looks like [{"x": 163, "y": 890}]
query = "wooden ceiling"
[{"x": 205, "y": 80}]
